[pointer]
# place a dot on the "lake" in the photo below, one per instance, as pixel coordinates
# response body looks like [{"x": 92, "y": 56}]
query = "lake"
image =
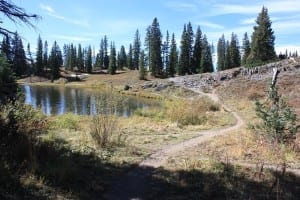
[{"x": 55, "y": 100}]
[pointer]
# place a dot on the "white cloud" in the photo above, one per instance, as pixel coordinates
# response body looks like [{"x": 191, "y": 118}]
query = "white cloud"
[
  {"x": 248, "y": 21},
  {"x": 181, "y": 6},
  {"x": 72, "y": 38},
  {"x": 277, "y": 6},
  {"x": 51, "y": 12},
  {"x": 210, "y": 25},
  {"x": 47, "y": 8}
]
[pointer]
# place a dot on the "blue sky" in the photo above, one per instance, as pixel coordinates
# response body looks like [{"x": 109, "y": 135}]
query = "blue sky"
[{"x": 87, "y": 21}]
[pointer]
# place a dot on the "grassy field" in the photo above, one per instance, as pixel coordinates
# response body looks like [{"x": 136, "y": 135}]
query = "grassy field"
[{"x": 70, "y": 165}]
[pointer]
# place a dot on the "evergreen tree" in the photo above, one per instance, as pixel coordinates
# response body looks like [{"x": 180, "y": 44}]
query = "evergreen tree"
[
  {"x": 101, "y": 54},
  {"x": 221, "y": 49},
  {"x": 190, "y": 40},
  {"x": 19, "y": 62},
  {"x": 6, "y": 49},
  {"x": 165, "y": 51},
  {"x": 31, "y": 66},
  {"x": 147, "y": 45},
  {"x": 155, "y": 59},
  {"x": 73, "y": 57},
  {"x": 246, "y": 48},
  {"x": 262, "y": 45},
  {"x": 112, "y": 60},
  {"x": 89, "y": 62},
  {"x": 45, "y": 55},
  {"x": 122, "y": 58},
  {"x": 55, "y": 61},
  {"x": 142, "y": 71},
  {"x": 39, "y": 57},
  {"x": 235, "y": 57},
  {"x": 130, "y": 58},
  {"x": 206, "y": 60},
  {"x": 136, "y": 50},
  {"x": 105, "y": 53},
  {"x": 173, "y": 58},
  {"x": 184, "y": 53},
  {"x": 80, "y": 58},
  {"x": 227, "y": 56},
  {"x": 197, "y": 51}
]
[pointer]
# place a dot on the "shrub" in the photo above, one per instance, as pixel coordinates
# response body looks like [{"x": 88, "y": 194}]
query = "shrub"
[
  {"x": 278, "y": 119},
  {"x": 105, "y": 124}
]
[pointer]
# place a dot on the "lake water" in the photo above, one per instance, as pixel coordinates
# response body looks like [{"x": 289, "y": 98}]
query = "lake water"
[{"x": 53, "y": 100}]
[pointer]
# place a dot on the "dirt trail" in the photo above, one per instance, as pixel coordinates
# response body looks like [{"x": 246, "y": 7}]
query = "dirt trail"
[{"x": 133, "y": 185}]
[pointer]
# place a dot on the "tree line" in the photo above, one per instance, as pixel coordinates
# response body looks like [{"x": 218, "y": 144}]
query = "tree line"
[{"x": 162, "y": 57}]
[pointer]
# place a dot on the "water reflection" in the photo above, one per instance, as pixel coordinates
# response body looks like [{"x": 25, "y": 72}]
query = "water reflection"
[{"x": 54, "y": 100}]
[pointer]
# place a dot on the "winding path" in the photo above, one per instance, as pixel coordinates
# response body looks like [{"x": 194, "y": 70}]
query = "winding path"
[{"x": 133, "y": 185}]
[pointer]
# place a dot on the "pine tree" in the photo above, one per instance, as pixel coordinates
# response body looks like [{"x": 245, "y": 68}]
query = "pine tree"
[
  {"x": 155, "y": 59},
  {"x": 147, "y": 45},
  {"x": 31, "y": 66},
  {"x": 19, "y": 63},
  {"x": 130, "y": 58},
  {"x": 45, "y": 55},
  {"x": 221, "y": 49},
  {"x": 39, "y": 57},
  {"x": 80, "y": 58},
  {"x": 190, "y": 40},
  {"x": 206, "y": 59},
  {"x": 142, "y": 71},
  {"x": 122, "y": 58},
  {"x": 197, "y": 51},
  {"x": 235, "y": 57},
  {"x": 88, "y": 58},
  {"x": 7, "y": 49},
  {"x": 55, "y": 61},
  {"x": 136, "y": 49},
  {"x": 173, "y": 58},
  {"x": 105, "y": 53},
  {"x": 262, "y": 45},
  {"x": 166, "y": 51},
  {"x": 112, "y": 60},
  {"x": 246, "y": 48},
  {"x": 227, "y": 56},
  {"x": 184, "y": 53}
]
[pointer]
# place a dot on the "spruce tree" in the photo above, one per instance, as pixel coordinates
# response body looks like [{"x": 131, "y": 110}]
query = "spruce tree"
[
  {"x": 39, "y": 57},
  {"x": 89, "y": 63},
  {"x": 262, "y": 41},
  {"x": 136, "y": 49},
  {"x": 147, "y": 45},
  {"x": 197, "y": 51},
  {"x": 190, "y": 41},
  {"x": 182, "y": 68},
  {"x": 227, "y": 56},
  {"x": 7, "y": 49},
  {"x": 130, "y": 57},
  {"x": 166, "y": 51},
  {"x": 173, "y": 60},
  {"x": 30, "y": 58},
  {"x": 206, "y": 59},
  {"x": 155, "y": 61},
  {"x": 101, "y": 54},
  {"x": 122, "y": 58},
  {"x": 142, "y": 71},
  {"x": 105, "y": 53},
  {"x": 221, "y": 49},
  {"x": 112, "y": 60},
  {"x": 80, "y": 59},
  {"x": 246, "y": 48},
  {"x": 45, "y": 55},
  {"x": 235, "y": 57},
  {"x": 19, "y": 62},
  {"x": 55, "y": 61}
]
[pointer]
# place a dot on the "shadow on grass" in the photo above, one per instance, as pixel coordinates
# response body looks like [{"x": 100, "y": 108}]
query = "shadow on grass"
[{"x": 79, "y": 176}]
